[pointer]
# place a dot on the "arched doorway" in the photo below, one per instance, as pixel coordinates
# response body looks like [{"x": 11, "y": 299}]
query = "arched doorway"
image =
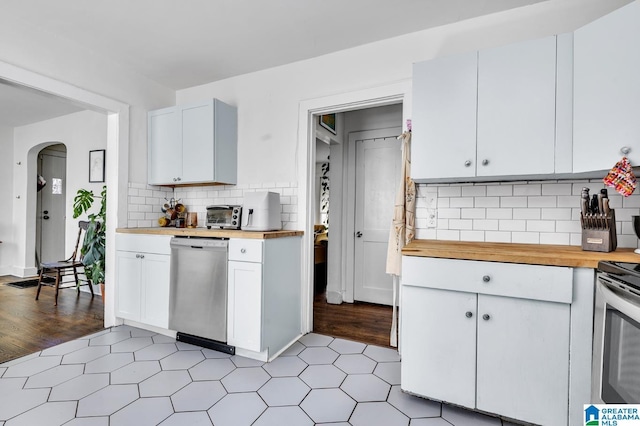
[{"x": 51, "y": 203}]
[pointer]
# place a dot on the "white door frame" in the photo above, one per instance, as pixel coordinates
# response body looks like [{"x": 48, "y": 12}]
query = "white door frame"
[
  {"x": 366, "y": 98},
  {"x": 117, "y": 178}
]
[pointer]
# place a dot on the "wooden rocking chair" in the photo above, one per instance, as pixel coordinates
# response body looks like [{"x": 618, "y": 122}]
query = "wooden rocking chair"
[{"x": 72, "y": 266}]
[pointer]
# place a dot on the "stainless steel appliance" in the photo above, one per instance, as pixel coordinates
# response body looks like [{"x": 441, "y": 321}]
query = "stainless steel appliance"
[
  {"x": 224, "y": 217},
  {"x": 616, "y": 336},
  {"x": 261, "y": 211},
  {"x": 198, "y": 291}
]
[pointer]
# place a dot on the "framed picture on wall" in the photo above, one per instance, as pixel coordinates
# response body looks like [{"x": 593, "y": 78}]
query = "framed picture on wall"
[
  {"x": 96, "y": 165},
  {"x": 328, "y": 121}
]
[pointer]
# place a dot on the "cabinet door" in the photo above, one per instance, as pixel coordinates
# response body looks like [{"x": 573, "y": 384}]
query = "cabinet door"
[
  {"x": 197, "y": 142},
  {"x": 607, "y": 90},
  {"x": 129, "y": 273},
  {"x": 165, "y": 154},
  {"x": 444, "y": 125},
  {"x": 523, "y": 359},
  {"x": 244, "y": 324},
  {"x": 155, "y": 290},
  {"x": 516, "y": 109},
  {"x": 439, "y": 344}
]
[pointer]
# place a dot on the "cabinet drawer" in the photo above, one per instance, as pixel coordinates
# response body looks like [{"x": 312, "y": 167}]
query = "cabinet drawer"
[
  {"x": 158, "y": 244},
  {"x": 536, "y": 282},
  {"x": 245, "y": 250}
]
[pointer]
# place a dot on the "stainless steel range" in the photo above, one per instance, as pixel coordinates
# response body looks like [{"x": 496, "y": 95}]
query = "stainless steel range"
[{"x": 616, "y": 338}]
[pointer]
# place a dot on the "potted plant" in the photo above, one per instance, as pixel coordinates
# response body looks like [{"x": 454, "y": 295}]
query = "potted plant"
[{"x": 93, "y": 246}]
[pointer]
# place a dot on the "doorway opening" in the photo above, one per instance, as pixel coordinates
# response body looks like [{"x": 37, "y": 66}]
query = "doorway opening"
[
  {"x": 50, "y": 204},
  {"x": 360, "y": 164}
]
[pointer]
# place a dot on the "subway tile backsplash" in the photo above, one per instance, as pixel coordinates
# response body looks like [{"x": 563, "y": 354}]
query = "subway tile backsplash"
[
  {"x": 546, "y": 212},
  {"x": 540, "y": 212},
  {"x": 145, "y": 201}
]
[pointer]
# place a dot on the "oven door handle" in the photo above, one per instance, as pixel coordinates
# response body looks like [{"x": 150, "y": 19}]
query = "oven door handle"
[{"x": 619, "y": 302}]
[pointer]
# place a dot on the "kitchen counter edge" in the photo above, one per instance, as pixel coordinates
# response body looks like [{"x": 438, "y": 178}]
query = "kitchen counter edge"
[
  {"x": 532, "y": 254},
  {"x": 212, "y": 233}
]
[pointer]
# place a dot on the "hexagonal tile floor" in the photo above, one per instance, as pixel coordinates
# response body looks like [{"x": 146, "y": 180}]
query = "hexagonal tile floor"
[{"x": 125, "y": 375}]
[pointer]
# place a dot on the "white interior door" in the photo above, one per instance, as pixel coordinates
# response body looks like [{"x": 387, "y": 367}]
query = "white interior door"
[
  {"x": 51, "y": 207},
  {"x": 378, "y": 163}
]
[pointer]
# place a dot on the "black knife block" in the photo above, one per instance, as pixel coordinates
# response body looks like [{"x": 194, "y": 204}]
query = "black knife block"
[{"x": 599, "y": 232}]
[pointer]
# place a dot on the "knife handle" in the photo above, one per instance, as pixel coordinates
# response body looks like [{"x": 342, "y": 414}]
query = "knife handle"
[
  {"x": 606, "y": 210},
  {"x": 594, "y": 204},
  {"x": 584, "y": 207},
  {"x": 600, "y": 204}
]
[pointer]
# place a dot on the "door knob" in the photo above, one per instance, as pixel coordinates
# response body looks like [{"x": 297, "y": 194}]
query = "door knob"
[
  {"x": 46, "y": 212},
  {"x": 45, "y": 217},
  {"x": 485, "y": 162},
  {"x": 486, "y": 317},
  {"x": 358, "y": 234},
  {"x": 467, "y": 163},
  {"x": 468, "y": 314},
  {"x": 486, "y": 278}
]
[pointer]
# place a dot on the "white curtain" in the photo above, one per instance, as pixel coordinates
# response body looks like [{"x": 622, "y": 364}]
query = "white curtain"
[{"x": 402, "y": 228}]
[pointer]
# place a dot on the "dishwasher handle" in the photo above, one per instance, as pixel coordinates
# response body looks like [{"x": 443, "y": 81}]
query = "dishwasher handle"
[{"x": 199, "y": 243}]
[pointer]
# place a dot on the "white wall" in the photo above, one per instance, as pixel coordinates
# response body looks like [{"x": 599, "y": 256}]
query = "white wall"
[
  {"x": 36, "y": 50},
  {"x": 7, "y": 247},
  {"x": 80, "y": 133}
]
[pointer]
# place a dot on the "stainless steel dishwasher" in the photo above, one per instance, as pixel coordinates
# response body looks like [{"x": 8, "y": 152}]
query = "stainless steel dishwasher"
[{"x": 198, "y": 291}]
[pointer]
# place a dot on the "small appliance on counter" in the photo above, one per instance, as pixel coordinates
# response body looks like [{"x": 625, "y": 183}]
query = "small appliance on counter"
[
  {"x": 223, "y": 217},
  {"x": 261, "y": 211}
]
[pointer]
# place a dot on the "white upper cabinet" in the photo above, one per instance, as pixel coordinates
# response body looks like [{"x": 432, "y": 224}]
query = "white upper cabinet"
[
  {"x": 493, "y": 113},
  {"x": 607, "y": 90},
  {"x": 444, "y": 109},
  {"x": 516, "y": 109},
  {"x": 193, "y": 144},
  {"x": 164, "y": 152}
]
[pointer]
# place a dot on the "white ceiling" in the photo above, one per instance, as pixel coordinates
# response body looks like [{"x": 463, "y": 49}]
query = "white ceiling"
[{"x": 182, "y": 44}]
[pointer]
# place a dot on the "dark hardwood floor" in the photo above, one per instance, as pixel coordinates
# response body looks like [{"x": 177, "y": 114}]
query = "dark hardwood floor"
[
  {"x": 363, "y": 322},
  {"x": 28, "y": 326}
]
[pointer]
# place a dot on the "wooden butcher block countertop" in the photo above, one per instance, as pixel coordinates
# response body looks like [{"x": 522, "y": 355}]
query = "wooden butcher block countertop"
[
  {"x": 212, "y": 233},
  {"x": 533, "y": 254}
]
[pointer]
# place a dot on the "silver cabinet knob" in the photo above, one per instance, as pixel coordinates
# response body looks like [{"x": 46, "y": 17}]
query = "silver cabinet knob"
[
  {"x": 468, "y": 314},
  {"x": 486, "y": 317},
  {"x": 467, "y": 163},
  {"x": 359, "y": 234},
  {"x": 485, "y": 162},
  {"x": 243, "y": 250},
  {"x": 179, "y": 179},
  {"x": 625, "y": 150},
  {"x": 174, "y": 179},
  {"x": 486, "y": 278},
  {"x": 142, "y": 256}
]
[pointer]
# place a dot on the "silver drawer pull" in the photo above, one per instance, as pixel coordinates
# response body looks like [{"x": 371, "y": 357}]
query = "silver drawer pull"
[
  {"x": 486, "y": 278},
  {"x": 468, "y": 314},
  {"x": 486, "y": 317},
  {"x": 242, "y": 250}
]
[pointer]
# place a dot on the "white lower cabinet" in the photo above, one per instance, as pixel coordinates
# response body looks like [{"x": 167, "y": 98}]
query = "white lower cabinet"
[
  {"x": 143, "y": 269},
  {"x": 264, "y": 300},
  {"x": 245, "y": 305},
  {"x": 488, "y": 336}
]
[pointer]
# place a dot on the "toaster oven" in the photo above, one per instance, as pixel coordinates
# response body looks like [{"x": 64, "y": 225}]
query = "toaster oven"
[{"x": 223, "y": 217}]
